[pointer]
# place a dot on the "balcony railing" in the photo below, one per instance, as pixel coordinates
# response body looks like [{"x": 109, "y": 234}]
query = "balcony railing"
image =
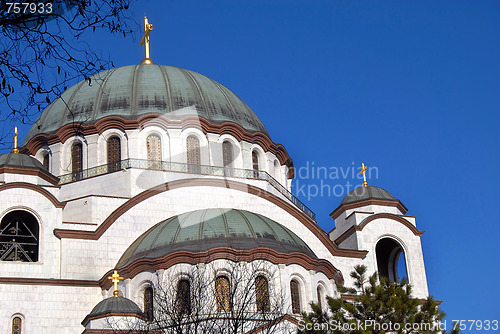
[{"x": 178, "y": 167}]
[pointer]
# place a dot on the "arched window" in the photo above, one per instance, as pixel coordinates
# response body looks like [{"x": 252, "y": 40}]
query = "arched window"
[
  {"x": 114, "y": 154},
  {"x": 148, "y": 303},
  {"x": 19, "y": 232},
  {"x": 319, "y": 296},
  {"x": 193, "y": 154},
  {"x": 255, "y": 164},
  {"x": 46, "y": 162},
  {"x": 153, "y": 143},
  {"x": 295, "y": 294},
  {"x": 262, "y": 294},
  {"x": 16, "y": 325},
  {"x": 77, "y": 160},
  {"x": 391, "y": 261},
  {"x": 183, "y": 297},
  {"x": 222, "y": 294},
  {"x": 227, "y": 157}
]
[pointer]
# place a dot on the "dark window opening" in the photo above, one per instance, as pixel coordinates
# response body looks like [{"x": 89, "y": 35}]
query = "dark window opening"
[
  {"x": 390, "y": 260},
  {"x": 148, "y": 303},
  {"x": 77, "y": 161},
  {"x": 19, "y": 231},
  {"x": 183, "y": 298},
  {"x": 46, "y": 162},
  {"x": 262, "y": 294},
  {"x": 114, "y": 154},
  {"x": 295, "y": 294}
]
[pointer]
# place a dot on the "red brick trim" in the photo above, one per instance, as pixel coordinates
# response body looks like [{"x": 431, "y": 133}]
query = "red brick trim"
[
  {"x": 198, "y": 182},
  {"x": 34, "y": 187},
  {"x": 261, "y": 253},
  {"x": 367, "y": 220}
]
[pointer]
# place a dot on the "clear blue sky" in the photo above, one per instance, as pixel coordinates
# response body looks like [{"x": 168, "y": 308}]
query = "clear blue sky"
[{"x": 409, "y": 87}]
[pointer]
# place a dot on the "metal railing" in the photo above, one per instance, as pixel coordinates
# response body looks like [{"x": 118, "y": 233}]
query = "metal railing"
[{"x": 178, "y": 167}]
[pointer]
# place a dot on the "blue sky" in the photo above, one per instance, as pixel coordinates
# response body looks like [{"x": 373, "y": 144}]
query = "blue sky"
[{"x": 408, "y": 87}]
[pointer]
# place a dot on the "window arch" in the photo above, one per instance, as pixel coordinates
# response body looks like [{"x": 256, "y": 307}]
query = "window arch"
[
  {"x": 148, "y": 303},
  {"x": 262, "y": 294},
  {"x": 77, "y": 160},
  {"x": 153, "y": 143},
  {"x": 391, "y": 261},
  {"x": 222, "y": 294},
  {"x": 19, "y": 232},
  {"x": 295, "y": 295},
  {"x": 114, "y": 151},
  {"x": 183, "y": 298},
  {"x": 16, "y": 325},
  {"x": 46, "y": 161},
  {"x": 193, "y": 154}
]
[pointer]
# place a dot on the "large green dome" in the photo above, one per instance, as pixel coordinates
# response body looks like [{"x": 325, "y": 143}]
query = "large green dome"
[
  {"x": 202, "y": 230},
  {"x": 131, "y": 91}
]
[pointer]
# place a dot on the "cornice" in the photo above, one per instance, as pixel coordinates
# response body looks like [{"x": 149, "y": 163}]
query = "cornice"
[
  {"x": 30, "y": 171},
  {"x": 261, "y": 253},
  {"x": 344, "y": 207}
]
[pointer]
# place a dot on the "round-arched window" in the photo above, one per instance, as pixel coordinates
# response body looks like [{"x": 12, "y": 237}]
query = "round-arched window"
[
  {"x": 391, "y": 261},
  {"x": 19, "y": 234}
]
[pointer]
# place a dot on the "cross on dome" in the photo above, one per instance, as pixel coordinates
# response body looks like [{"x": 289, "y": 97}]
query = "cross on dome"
[{"x": 115, "y": 278}]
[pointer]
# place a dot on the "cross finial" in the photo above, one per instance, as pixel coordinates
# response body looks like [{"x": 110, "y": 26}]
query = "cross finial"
[
  {"x": 115, "y": 278},
  {"x": 363, "y": 171},
  {"x": 145, "y": 41},
  {"x": 15, "y": 150}
]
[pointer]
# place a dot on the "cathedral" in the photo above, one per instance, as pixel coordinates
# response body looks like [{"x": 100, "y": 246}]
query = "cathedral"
[{"x": 148, "y": 186}]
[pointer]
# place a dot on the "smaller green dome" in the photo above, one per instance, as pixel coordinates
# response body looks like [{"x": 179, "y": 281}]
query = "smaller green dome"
[
  {"x": 202, "y": 230},
  {"x": 20, "y": 160},
  {"x": 113, "y": 306},
  {"x": 366, "y": 193}
]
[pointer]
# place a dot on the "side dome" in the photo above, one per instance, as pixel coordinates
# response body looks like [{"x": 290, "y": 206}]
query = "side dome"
[
  {"x": 366, "y": 193},
  {"x": 19, "y": 160},
  {"x": 132, "y": 91},
  {"x": 202, "y": 230},
  {"x": 113, "y": 306}
]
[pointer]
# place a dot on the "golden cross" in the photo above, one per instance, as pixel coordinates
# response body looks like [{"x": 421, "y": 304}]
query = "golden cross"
[
  {"x": 145, "y": 41},
  {"x": 15, "y": 150},
  {"x": 115, "y": 278},
  {"x": 363, "y": 171}
]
